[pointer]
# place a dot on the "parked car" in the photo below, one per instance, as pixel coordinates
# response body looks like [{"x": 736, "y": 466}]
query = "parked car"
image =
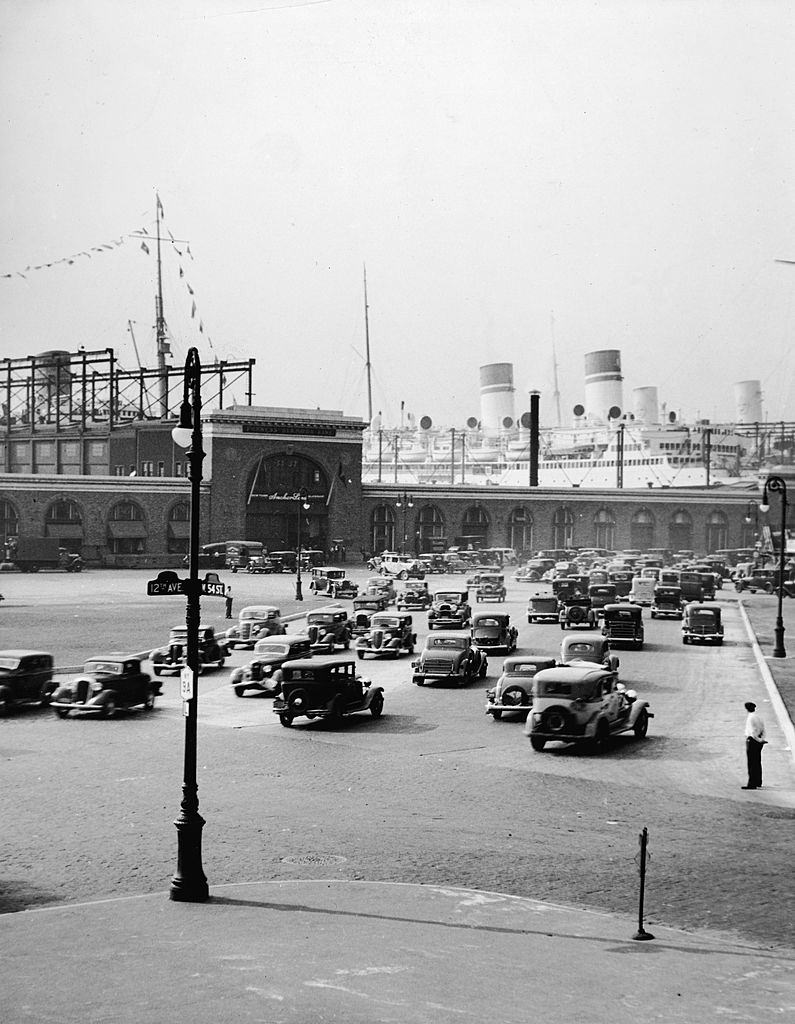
[
  {"x": 380, "y": 585},
  {"x": 494, "y": 632},
  {"x": 623, "y": 624},
  {"x": 583, "y": 705},
  {"x": 363, "y": 610},
  {"x": 542, "y": 608},
  {"x": 642, "y": 590},
  {"x": 757, "y": 579},
  {"x": 415, "y": 596},
  {"x": 107, "y": 684},
  {"x": 171, "y": 658},
  {"x": 575, "y": 610},
  {"x": 325, "y": 688},
  {"x": 600, "y": 595},
  {"x": 669, "y": 578},
  {"x": 261, "y": 673},
  {"x": 285, "y": 561},
  {"x": 260, "y": 564},
  {"x": 327, "y": 628},
  {"x": 449, "y": 656},
  {"x": 25, "y": 678},
  {"x": 450, "y": 610},
  {"x": 491, "y": 587},
  {"x": 692, "y": 586},
  {"x": 667, "y": 603},
  {"x": 622, "y": 578},
  {"x": 402, "y": 567},
  {"x": 701, "y": 623},
  {"x": 328, "y": 580},
  {"x": 588, "y": 647},
  {"x": 255, "y": 622},
  {"x": 389, "y": 635},
  {"x": 706, "y": 568},
  {"x": 514, "y": 689}
]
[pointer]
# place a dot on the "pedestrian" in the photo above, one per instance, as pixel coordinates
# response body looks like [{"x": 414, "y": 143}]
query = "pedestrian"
[
  {"x": 228, "y": 595},
  {"x": 754, "y": 741}
]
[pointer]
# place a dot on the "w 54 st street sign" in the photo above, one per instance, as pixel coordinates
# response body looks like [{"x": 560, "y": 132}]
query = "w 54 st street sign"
[{"x": 168, "y": 584}]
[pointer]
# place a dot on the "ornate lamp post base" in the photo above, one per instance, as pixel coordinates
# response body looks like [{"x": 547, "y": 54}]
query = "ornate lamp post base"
[{"x": 189, "y": 884}]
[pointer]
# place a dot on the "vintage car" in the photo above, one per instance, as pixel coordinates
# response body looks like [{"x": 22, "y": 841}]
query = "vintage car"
[
  {"x": 363, "y": 610},
  {"x": 588, "y": 647},
  {"x": 450, "y": 610},
  {"x": 708, "y": 583},
  {"x": 692, "y": 586},
  {"x": 650, "y": 572},
  {"x": 415, "y": 596},
  {"x": 253, "y": 623},
  {"x": 401, "y": 567},
  {"x": 667, "y": 603},
  {"x": 514, "y": 689},
  {"x": 542, "y": 608},
  {"x": 261, "y": 674},
  {"x": 491, "y": 587},
  {"x": 107, "y": 684},
  {"x": 532, "y": 571},
  {"x": 449, "y": 657},
  {"x": 325, "y": 688},
  {"x": 668, "y": 578},
  {"x": 25, "y": 678},
  {"x": 642, "y": 591},
  {"x": 388, "y": 636},
  {"x": 328, "y": 580},
  {"x": 701, "y": 624},
  {"x": 380, "y": 585},
  {"x": 492, "y": 631},
  {"x": 575, "y": 610},
  {"x": 600, "y": 595},
  {"x": 757, "y": 579},
  {"x": 172, "y": 657},
  {"x": 260, "y": 564},
  {"x": 623, "y": 580},
  {"x": 623, "y": 624},
  {"x": 596, "y": 577},
  {"x": 284, "y": 561},
  {"x": 583, "y": 705},
  {"x": 327, "y": 628},
  {"x": 569, "y": 586}
]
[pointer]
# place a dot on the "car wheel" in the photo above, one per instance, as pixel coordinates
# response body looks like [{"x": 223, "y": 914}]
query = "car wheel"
[
  {"x": 377, "y": 705},
  {"x": 600, "y": 739},
  {"x": 360, "y": 655},
  {"x": 537, "y": 743},
  {"x": 336, "y": 711},
  {"x": 149, "y": 701},
  {"x": 483, "y": 669},
  {"x": 108, "y": 708},
  {"x": 496, "y": 714},
  {"x": 641, "y": 726},
  {"x": 239, "y": 691},
  {"x": 403, "y": 575},
  {"x": 62, "y": 712},
  {"x": 286, "y": 720},
  {"x": 768, "y": 588},
  {"x": 221, "y": 662}
]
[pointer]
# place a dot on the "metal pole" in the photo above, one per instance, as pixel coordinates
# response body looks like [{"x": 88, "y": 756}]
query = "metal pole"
[
  {"x": 299, "y": 594},
  {"x": 777, "y": 483},
  {"x": 641, "y": 934},
  {"x": 189, "y": 884}
]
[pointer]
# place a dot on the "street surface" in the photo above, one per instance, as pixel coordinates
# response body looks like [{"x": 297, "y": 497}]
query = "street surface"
[{"x": 435, "y": 791}]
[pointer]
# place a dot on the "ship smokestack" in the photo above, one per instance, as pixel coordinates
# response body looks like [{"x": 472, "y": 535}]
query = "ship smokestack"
[
  {"x": 496, "y": 397},
  {"x": 603, "y": 384},
  {"x": 748, "y": 401},
  {"x": 645, "y": 405},
  {"x": 534, "y": 437}
]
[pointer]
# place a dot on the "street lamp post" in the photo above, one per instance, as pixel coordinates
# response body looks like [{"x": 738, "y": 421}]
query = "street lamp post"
[
  {"x": 189, "y": 884},
  {"x": 405, "y": 502},
  {"x": 302, "y": 504},
  {"x": 777, "y": 483}
]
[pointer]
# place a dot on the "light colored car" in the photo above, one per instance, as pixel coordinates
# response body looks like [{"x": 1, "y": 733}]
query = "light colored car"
[
  {"x": 583, "y": 704},
  {"x": 449, "y": 657},
  {"x": 591, "y": 648},
  {"x": 255, "y": 622},
  {"x": 261, "y": 673},
  {"x": 514, "y": 689},
  {"x": 642, "y": 590}
]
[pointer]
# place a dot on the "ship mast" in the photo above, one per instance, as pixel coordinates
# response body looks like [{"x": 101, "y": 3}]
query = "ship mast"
[
  {"x": 556, "y": 391},
  {"x": 367, "y": 343},
  {"x": 160, "y": 320}
]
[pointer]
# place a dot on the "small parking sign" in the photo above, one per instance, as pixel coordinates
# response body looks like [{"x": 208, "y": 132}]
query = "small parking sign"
[{"x": 186, "y": 683}]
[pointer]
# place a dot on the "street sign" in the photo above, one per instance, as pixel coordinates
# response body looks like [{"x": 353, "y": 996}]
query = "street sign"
[
  {"x": 186, "y": 683},
  {"x": 212, "y": 586},
  {"x": 167, "y": 584}
]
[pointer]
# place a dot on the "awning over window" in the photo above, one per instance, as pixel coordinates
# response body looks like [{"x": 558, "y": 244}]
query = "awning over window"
[
  {"x": 118, "y": 529},
  {"x": 179, "y": 529},
  {"x": 73, "y": 531}
]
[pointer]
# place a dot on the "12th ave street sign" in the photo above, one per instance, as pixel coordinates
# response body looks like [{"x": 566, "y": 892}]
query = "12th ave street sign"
[{"x": 168, "y": 584}]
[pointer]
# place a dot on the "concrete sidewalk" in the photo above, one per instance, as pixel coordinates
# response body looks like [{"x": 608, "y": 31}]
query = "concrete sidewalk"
[{"x": 317, "y": 951}]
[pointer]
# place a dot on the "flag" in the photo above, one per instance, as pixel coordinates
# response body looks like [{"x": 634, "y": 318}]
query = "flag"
[
  {"x": 145, "y": 248},
  {"x": 193, "y": 310},
  {"x": 201, "y": 327},
  {"x": 181, "y": 272},
  {"x": 189, "y": 288},
  {"x": 341, "y": 474}
]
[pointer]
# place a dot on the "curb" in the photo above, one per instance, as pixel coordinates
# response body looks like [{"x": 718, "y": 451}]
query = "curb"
[{"x": 779, "y": 708}]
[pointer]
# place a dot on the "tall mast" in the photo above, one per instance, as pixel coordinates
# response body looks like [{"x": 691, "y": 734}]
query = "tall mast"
[
  {"x": 160, "y": 321},
  {"x": 556, "y": 392},
  {"x": 367, "y": 342}
]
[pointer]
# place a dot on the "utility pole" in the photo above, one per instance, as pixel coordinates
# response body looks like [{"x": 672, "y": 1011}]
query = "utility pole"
[{"x": 367, "y": 343}]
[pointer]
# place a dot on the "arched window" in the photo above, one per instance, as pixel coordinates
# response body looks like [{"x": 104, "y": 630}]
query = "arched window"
[
  {"x": 563, "y": 528},
  {"x": 126, "y": 529},
  {"x": 474, "y": 529},
  {"x": 64, "y": 520},
  {"x": 431, "y": 529},
  {"x": 271, "y": 508},
  {"x": 178, "y": 540},
  {"x": 520, "y": 531},
  {"x": 717, "y": 532},
  {"x": 9, "y": 520},
  {"x": 382, "y": 529},
  {"x": 680, "y": 531},
  {"x": 641, "y": 530},
  {"x": 604, "y": 529}
]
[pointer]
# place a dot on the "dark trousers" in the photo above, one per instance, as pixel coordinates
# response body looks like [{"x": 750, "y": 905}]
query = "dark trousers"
[
  {"x": 753, "y": 753},
  {"x": 229, "y": 607}
]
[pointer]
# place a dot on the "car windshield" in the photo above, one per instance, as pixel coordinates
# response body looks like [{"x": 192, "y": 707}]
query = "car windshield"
[
  {"x": 9, "y": 664},
  {"x": 488, "y": 622},
  {"x": 390, "y": 623},
  {"x": 319, "y": 617},
  {"x": 451, "y": 642},
  {"x": 522, "y": 670},
  {"x": 704, "y": 614},
  {"x": 110, "y": 668},
  {"x": 452, "y": 598},
  {"x": 257, "y": 613},
  {"x": 562, "y": 688},
  {"x": 582, "y": 650},
  {"x": 277, "y": 649}
]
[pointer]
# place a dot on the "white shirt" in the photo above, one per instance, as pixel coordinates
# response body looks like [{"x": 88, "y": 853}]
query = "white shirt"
[{"x": 755, "y": 727}]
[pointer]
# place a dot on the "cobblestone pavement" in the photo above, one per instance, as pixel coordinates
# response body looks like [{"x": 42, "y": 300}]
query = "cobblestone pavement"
[{"x": 433, "y": 792}]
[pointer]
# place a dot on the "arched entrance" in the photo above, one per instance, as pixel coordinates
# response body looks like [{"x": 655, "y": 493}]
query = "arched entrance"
[
  {"x": 680, "y": 531},
  {"x": 604, "y": 523},
  {"x": 717, "y": 532},
  {"x": 431, "y": 529},
  {"x": 520, "y": 527},
  {"x": 382, "y": 532},
  {"x": 563, "y": 528},
  {"x": 274, "y": 489},
  {"x": 641, "y": 530},
  {"x": 474, "y": 529}
]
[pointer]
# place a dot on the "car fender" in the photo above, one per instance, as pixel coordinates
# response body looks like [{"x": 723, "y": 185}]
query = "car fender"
[{"x": 637, "y": 707}]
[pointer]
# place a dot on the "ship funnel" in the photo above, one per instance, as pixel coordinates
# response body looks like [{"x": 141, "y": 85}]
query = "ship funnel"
[
  {"x": 645, "y": 405},
  {"x": 496, "y": 396},
  {"x": 603, "y": 384},
  {"x": 748, "y": 401}
]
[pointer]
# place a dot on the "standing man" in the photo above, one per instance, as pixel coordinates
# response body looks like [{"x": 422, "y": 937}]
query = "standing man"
[
  {"x": 754, "y": 741},
  {"x": 228, "y": 595}
]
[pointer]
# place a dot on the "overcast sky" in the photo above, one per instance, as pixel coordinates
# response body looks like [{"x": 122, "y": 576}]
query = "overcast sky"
[{"x": 513, "y": 173}]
